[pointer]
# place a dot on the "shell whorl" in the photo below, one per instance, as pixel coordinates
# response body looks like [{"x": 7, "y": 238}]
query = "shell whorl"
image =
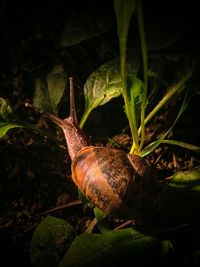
[{"x": 103, "y": 174}]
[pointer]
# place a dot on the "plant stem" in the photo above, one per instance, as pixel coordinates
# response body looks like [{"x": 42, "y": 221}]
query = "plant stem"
[
  {"x": 131, "y": 120},
  {"x": 181, "y": 144},
  {"x": 145, "y": 68},
  {"x": 170, "y": 93},
  {"x": 84, "y": 117},
  {"x": 132, "y": 123},
  {"x": 124, "y": 10},
  {"x": 132, "y": 127}
]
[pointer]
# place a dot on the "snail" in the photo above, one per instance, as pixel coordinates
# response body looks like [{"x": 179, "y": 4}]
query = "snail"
[{"x": 115, "y": 182}]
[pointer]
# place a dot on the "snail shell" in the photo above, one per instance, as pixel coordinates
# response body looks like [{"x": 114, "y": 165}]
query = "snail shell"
[{"x": 105, "y": 175}]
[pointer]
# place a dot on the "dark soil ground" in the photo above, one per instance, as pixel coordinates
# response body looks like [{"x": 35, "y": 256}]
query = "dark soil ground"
[{"x": 35, "y": 169}]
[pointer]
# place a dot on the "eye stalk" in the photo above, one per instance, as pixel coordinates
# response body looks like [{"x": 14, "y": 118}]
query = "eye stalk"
[
  {"x": 72, "y": 115},
  {"x": 75, "y": 137},
  {"x": 72, "y": 101}
]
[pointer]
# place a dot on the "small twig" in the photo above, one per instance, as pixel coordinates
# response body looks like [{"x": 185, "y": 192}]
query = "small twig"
[
  {"x": 91, "y": 226},
  {"x": 166, "y": 179},
  {"x": 125, "y": 224},
  {"x": 174, "y": 160},
  {"x": 70, "y": 204},
  {"x": 158, "y": 158}
]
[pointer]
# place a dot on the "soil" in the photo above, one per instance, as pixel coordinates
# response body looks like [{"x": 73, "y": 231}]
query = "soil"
[{"x": 35, "y": 169}]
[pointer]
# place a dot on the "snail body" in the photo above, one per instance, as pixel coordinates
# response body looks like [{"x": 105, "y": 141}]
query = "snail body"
[{"x": 111, "y": 179}]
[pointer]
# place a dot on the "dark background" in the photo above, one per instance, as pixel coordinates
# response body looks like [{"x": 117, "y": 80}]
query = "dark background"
[{"x": 29, "y": 44}]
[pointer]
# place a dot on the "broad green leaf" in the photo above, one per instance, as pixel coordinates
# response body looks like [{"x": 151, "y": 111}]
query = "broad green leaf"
[
  {"x": 188, "y": 179},
  {"x": 5, "y": 126},
  {"x": 8, "y": 120},
  {"x": 115, "y": 248},
  {"x": 49, "y": 90},
  {"x": 179, "y": 199},
  {"x": 56, "y": 82},
  {"x": 105, "y": 83},
  {"x": 124, "y": 10},
  {"x": 5, "y": 110},
  {"x": 50, "y": 240},
  {"x": 85, "y": 25}
]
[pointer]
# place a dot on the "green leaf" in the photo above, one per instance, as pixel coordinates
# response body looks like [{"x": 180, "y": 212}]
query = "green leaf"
[
  {"x": 189, "y": 179},
  {"x": 102, "y": 220},
  {"x": 136, "y": 99},
  {"x": 8, "y": 119},
  {"x": 115, "y": 248},
  {"x": 151, "y": 147},
  {"x": 148, "y": 149},
  {"x": 84, "y": 199},
  {"x": 105, "y": 83},
  {"x": 5, "y": 110},
  {"x": 49, "y": 242},
  {"x": 143, "y": 44},
  {"x": 49, "y": 90},
  {"x": 172, "y": 92},
  {"x": 6, "y": 126},
  {"x": 178, "y": 202},
  {"x": 85, "y": 25},
  {"x": 124, "y": 10}
]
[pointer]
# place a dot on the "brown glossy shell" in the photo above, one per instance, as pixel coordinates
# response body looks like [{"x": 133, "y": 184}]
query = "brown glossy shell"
[{"x": 104, "y": 175}]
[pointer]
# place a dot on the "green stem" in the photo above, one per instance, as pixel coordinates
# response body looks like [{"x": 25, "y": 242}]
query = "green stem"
[
  {"x": 124, "y": 10},
  {"x": 85, "y": 117},
  {"x": 181, "y": 144},
  {"x": 179, "y": 86},
  {"x": 145, "y": 68},
  {"x": 132, "y": 122}
]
